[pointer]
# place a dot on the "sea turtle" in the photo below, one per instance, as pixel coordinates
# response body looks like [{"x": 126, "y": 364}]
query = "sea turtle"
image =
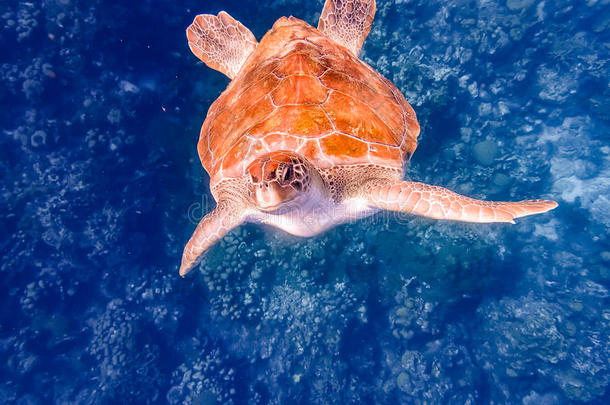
[{"x": 307, "y": 136}]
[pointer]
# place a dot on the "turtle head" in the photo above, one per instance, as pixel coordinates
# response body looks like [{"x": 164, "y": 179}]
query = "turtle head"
[{"x": 279, "y": 178}]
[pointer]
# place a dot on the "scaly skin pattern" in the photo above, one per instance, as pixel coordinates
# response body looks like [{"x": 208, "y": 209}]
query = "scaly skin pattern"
[
  {"x": 347, "y": 22},
  {"x": 221, "y": 42},
  {"x": 440, "y": 203},
  {"x": 347, "y": 182},
  {"x": 301, "y": 91},
  {"x": 229, "y": 213}
]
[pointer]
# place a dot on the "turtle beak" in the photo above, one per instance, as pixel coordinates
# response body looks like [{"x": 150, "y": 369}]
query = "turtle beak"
[
  {"x": 269, "y": 196},
  {"x": 263, "y": 197}
]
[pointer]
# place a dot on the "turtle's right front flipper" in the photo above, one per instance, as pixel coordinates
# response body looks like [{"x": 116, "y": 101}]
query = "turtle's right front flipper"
[
  {"x": 347, "y": 22},
  {"x": 213, "y": 227},
  {"x": 440, "y": 203},
  {"x": 221, "y": 42}
]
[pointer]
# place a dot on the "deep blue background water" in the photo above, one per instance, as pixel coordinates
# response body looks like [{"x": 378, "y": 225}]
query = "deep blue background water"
[{"x": 101, "y": 105}]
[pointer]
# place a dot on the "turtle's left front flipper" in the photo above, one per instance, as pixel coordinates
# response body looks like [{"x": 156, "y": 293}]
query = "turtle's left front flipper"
[
  {"x": 213, "y": 227},
  {"x": 221, "y": 42},
  {"x": 440, "y": 203}
]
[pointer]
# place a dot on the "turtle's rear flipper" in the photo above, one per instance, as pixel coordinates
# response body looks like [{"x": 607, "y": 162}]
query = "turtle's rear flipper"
[
  {"x": 347, "y": 22},
  {"x": 221, "y": 42},
  {"x": 440, "y": 203}
]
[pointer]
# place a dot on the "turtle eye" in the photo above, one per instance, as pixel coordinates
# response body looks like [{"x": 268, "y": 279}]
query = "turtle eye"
[{"x": 287, "y": 173}]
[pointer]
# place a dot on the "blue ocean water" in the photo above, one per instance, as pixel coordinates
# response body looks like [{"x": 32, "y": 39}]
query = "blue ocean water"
[{"x": 102, "y": 103}]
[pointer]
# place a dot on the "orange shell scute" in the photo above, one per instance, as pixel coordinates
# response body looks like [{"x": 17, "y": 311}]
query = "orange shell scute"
[
  {"x": 299, "y": 63},
  {"x": 384, "y": 105},
  {"x": 301, "y": 91},
  {"x": 343, "y": 148},
  {"x": 352, "y": 116},
  {"x": 299, "y": 120}
]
